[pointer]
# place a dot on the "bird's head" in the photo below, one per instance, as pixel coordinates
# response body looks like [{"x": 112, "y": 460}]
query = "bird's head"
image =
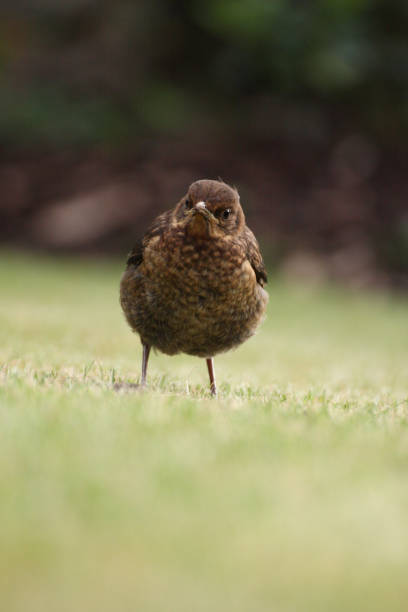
[{"x": 210, "y": 209}]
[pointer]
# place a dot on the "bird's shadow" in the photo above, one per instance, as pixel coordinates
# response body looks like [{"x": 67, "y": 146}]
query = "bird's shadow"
[{"x": 123, "y": 387}]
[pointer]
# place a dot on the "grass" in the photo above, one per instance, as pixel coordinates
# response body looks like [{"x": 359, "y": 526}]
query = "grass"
[{"x": 288, "y": 493}]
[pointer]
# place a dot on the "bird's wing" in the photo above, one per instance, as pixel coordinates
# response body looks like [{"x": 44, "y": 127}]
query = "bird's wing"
[
  {"x": 254, "y": 256},
  {"x": 158, "y": 226}
]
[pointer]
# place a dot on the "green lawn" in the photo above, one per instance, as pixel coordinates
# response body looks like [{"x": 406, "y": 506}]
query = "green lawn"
[{"x": 289, "y": 493}]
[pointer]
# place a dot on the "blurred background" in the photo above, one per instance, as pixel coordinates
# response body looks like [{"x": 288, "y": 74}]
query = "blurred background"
[{"x": 109, "y": 109}]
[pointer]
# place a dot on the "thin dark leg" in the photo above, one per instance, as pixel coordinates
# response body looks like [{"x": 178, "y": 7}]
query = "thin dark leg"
[
  {"x": 210, "y": 366},
  {"x": 145, "y": 359}
]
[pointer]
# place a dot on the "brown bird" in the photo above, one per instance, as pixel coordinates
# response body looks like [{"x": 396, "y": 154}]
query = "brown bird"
[{"x": 194, "y": 283}]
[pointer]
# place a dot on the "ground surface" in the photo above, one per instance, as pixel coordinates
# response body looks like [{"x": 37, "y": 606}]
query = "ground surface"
[{"x": 288, "y": 493}]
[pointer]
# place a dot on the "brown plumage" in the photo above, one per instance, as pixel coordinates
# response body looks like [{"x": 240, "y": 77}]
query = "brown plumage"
[{"x": 194, "y": 283}]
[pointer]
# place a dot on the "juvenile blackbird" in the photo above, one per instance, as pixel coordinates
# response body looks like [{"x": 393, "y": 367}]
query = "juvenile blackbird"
[{"x": 194, "y": 283}]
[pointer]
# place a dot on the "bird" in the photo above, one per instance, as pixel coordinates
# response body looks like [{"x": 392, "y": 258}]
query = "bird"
[{"x": 194, "y": 283}]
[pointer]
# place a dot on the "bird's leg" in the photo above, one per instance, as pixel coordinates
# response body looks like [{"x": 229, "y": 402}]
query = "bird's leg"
[
  {"x": 210, "y": 366},
  {"x": 145, "y": 359}
]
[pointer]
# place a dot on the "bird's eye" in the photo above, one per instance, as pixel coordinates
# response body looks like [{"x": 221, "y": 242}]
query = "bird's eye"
[
  {"x": 188, "y": 203},
  {"x": 226, "y": 213}
]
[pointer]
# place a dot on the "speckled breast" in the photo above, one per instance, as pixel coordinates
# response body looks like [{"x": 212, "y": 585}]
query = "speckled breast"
[{"x": 193, "y": 296}]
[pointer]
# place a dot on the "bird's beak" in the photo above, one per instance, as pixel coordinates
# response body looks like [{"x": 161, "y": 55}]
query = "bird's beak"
[
  {"x": 201, "y": 209},
  {"x": 201, "y": 220}
]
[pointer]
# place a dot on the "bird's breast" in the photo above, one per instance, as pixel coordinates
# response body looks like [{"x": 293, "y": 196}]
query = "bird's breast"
[
  {"x": 199, "y": 267},
  {"x": 197, "y": 297}
]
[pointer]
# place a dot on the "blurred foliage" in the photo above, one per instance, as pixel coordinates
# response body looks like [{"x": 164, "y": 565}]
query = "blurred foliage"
[
  {"x": 395, "y": 249},
  {"x": 306, "y": 104},
  {"x": 83, "y": 72}
]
